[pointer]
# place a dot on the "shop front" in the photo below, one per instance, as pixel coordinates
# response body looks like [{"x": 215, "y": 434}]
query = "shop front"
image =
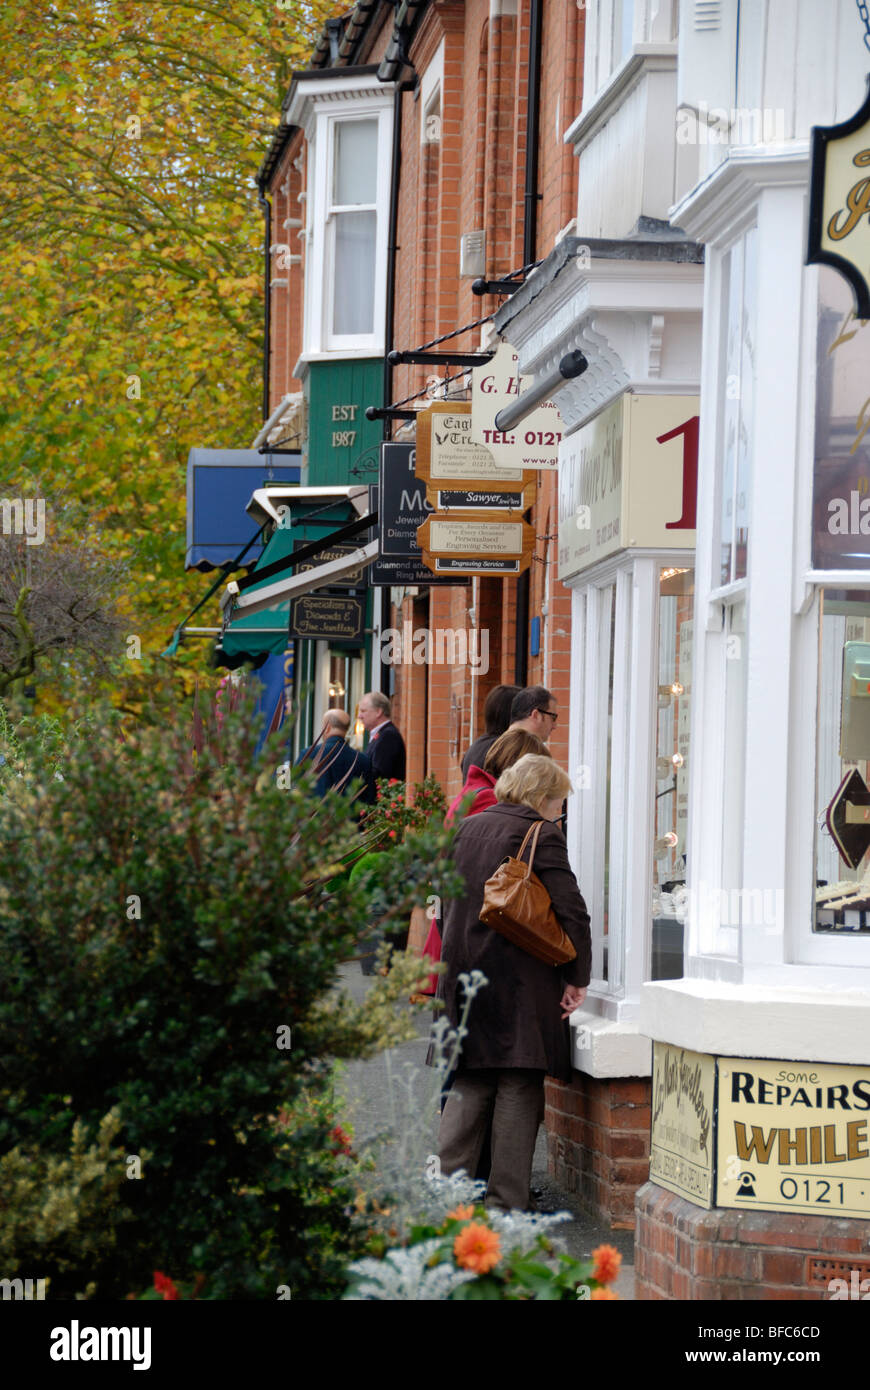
[
  {"x": 627, "y": 476},
  {"x": 760, "y": 1171}
]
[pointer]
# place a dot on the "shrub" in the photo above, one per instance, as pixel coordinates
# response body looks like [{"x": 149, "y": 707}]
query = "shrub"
[{"x": 171, "y": 930}]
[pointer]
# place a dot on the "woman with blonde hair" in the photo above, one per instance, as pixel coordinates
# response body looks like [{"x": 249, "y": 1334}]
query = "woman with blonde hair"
[{"x": 517, "y": 1028}]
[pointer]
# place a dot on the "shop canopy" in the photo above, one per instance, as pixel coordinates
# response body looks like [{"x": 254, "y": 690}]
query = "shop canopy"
[
  {"x": 257, "y": 609},
  {"x": 220, "y": 483}
]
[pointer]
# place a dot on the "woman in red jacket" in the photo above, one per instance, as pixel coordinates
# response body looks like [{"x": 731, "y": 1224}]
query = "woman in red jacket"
[{"x": 508, "y": 748}]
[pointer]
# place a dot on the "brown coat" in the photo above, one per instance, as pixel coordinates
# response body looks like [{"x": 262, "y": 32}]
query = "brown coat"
[{"x": 515, "y": 1020}]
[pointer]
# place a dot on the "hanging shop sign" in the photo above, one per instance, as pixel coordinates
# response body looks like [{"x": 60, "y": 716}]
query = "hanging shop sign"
[
  {"x": 629, "y": 479},
  {"x": 401, "y": 505},
  {"x": 457, "y": 543},
  {"x": 793, "y": 1136},
  {"x": 482, "y": 500},
  {"x": 681, "y": 1141},
  {"x": 328, "y": 618},
  {"x": 353, "y": 580},
  {"x": 535, "y": 441},
  {"x": 838, "y": 225},
  {"x": 448, "y": 456}
]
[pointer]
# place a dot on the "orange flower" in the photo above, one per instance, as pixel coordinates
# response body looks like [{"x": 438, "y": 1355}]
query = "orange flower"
[
  {"x": 607, "y": 1261},
  {"x": 601, "y": 1294},
  {"x": 461, "y": 1213},
  {"x": 477, "y": 1247}
]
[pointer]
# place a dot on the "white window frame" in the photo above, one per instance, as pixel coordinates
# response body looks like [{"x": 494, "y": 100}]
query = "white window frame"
[
  {"x": 632, "y": 770},
  {"x": 781, "y": 591},
  {"x": 807, "y": 948},
  {"x": 318, "y": 105}
]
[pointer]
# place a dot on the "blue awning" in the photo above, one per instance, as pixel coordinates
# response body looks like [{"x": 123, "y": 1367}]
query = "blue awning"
[{"x": 220, "y": 483}]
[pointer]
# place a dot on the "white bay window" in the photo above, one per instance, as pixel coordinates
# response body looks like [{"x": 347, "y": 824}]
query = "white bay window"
[{"x": 347, "y": 118}]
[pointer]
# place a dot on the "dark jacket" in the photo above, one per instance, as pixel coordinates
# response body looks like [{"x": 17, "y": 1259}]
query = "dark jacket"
[
  {"x": 337, "y": 763},
  {"x": 476, "y": 754},
  {"x": 515, "y": 1020},
  {"x": 387, "y": 753}
]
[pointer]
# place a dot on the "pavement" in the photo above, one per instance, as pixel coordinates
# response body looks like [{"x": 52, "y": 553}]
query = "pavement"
[{"x": 365, "y": 1091}]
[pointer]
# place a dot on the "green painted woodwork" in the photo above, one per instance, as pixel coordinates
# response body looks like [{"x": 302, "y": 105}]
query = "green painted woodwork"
[{"x": 340, "y": 438}]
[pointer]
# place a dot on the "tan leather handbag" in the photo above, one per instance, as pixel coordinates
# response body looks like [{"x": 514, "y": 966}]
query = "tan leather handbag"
[{"x": 516, "y": 904}]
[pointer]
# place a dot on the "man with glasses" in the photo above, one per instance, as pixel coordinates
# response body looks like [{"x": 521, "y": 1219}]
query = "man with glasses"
[{"x": 534, "y": 709}]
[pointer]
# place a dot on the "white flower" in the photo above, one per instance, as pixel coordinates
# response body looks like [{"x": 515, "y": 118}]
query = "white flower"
[{"x": 403, "y": 1276}]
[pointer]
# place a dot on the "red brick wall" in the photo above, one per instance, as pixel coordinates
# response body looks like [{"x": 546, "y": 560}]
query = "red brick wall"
[
  {"x": 685, "y": 1252},
  {"x": 472, "y": 180},
  {"x": 598, "y": 1142},
  {"x": 286, "y": 185}
]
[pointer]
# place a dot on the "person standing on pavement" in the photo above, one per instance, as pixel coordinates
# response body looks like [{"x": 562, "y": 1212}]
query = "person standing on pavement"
[
  {"x": 496, "y": 718},
  {"x": 517, "y": 1029},
  {"x": 386, "y": 745},
  {"x": 336, "y": 764},
  {"x": 535, "y": 710}
]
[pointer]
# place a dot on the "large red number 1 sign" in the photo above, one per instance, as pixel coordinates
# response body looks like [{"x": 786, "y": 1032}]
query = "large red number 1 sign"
[{"x": 689, "y": 431}]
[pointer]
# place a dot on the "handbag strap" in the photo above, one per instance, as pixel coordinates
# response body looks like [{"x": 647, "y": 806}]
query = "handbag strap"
[{"x": 532, "y": 834}]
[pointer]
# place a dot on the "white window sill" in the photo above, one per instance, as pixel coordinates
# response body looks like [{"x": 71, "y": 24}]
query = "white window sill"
[
  {"x": 825, "y": 1023},
  {"x": 603, "y": 1047}
]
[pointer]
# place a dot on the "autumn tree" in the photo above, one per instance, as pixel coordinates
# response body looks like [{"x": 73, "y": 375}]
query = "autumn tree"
[
  {"x": 131, "y": 275},
  {"x": 58, "y": 591}
]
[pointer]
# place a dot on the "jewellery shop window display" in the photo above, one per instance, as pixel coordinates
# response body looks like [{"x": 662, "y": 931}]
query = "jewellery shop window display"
[
  {"x": 841, "y": 541},
  {"x": 669, "y": 896},
  {"x": 842, "y": 883}
]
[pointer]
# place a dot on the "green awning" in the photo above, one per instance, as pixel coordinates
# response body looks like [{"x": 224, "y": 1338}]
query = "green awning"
[
  {"x": 257, "y": 635},
  {"x": 262, "y": 634}
]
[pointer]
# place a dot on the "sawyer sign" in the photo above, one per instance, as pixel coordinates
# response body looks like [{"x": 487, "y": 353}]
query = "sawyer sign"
[{"x": 401, "y": 507}]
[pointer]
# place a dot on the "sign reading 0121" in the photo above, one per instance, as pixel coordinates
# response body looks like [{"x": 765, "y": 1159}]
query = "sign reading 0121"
[{"x": 793, "y": 1136}]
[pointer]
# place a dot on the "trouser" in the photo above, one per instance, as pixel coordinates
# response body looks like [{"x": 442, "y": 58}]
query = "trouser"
[{"x": 513, "y": 1098}]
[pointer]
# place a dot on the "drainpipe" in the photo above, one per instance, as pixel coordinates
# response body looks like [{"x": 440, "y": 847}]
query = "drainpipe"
[
  {"x": 530, "y": 230},
  {"x": 267, "y": 249},
  {"x": 392, "y": 247},
  {"x": 389, "y": 319}
]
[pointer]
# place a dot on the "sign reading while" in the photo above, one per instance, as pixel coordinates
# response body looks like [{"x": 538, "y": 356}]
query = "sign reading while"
[{"x": 794, "y": 1136}]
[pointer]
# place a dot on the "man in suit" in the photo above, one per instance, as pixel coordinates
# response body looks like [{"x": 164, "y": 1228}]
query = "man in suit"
[
  {"x": 337, "y": 764},
  {"x": 386, "y": 745}
]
